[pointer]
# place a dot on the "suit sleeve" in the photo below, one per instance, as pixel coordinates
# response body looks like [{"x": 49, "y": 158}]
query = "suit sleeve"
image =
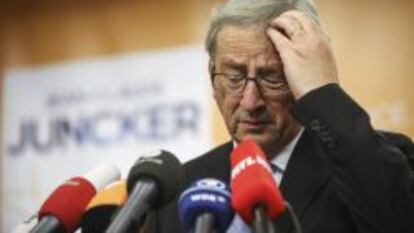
[{"x": 371, "y": 175}]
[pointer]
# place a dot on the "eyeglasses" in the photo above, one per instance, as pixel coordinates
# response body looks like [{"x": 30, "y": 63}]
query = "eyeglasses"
[{"x": 269, "y": 85}]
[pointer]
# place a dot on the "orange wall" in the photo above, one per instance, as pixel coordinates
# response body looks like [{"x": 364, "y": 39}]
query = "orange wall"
[
  {"x": 61, "y": 30},
  {"x": 373, "y": 43}
]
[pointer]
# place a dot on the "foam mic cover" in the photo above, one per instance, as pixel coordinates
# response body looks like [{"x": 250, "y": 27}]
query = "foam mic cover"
[
  {"x": 252, "y": 182},
  {"x": 164, "y": 169},
  {"x": 206, "y": 196},
  {"x": 152, "y": 182},
  {"x": 102, "y": 208},
  {"x": 68, "y": 201}
]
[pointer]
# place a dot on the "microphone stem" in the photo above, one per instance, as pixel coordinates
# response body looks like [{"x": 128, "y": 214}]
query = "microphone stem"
[
  {"x": 204, "y": 223},
  {"x": 130, "y": 216},
  {"x": 261, "y": 222},
  {"x": 293, "y": 217},
  {"x": 48, "y": 224}
]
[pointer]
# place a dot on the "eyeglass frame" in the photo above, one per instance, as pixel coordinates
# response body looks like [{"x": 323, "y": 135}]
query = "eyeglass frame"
[{"x": 245, "y": 79}]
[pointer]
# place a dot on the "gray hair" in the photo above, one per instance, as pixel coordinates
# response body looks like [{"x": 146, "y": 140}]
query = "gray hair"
[{"x": 248, "y": 12}]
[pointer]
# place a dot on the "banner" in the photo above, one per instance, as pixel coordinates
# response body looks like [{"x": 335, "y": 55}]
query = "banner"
[{"x": 63, "y": 120}]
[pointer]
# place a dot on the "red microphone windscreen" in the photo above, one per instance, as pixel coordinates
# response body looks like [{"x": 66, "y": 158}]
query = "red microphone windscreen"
[
  {"x": 252, "y": 182},
  {"x": 68, "y": 202}
]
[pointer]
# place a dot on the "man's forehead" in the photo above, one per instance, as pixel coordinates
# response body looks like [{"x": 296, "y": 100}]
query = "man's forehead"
[
  {"x": 235, "y": 60},
  {"x": 242, "y": 34},
  {"x": 236, "y": 44},
  {"x": 244, "y": 38}
]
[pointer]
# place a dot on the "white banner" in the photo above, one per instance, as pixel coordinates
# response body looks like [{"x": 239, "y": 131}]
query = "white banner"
[{"x": 63, "y": 120}]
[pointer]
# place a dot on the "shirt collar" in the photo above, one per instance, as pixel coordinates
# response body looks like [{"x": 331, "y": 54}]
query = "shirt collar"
[{"x": 281, "y": 159}]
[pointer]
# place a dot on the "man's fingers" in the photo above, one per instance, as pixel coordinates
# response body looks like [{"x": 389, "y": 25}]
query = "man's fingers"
[
  {"x": 289, "y": 26},
  {"x": 302, "y": 18},
  {"x": 280, "y": 41}
]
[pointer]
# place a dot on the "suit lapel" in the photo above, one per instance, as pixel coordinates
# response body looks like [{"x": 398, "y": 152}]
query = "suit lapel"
[
  {"x": 304, "y": 177},
  {"x": 220, "y": 163},
  {"x": 215, "y": 164}
]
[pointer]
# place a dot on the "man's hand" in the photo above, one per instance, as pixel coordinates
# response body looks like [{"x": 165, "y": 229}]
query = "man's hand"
[{"x": 305, "y": 50}]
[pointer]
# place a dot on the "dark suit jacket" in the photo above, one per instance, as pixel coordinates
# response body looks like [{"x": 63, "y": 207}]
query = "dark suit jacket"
[{"x": 342, "y": 177}]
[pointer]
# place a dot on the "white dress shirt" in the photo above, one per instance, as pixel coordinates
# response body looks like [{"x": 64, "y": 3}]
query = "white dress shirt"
[{"x": 279, "y": 163}]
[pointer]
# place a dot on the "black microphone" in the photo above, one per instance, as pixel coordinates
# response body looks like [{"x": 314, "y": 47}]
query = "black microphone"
[{"x": 152, "y": 182}]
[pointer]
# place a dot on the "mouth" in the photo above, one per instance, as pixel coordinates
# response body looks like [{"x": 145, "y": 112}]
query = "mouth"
[{"x": 254, "y": 124}]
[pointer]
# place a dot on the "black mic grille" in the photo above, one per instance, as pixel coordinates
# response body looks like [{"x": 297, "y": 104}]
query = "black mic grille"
[{"x": 164, "y": 169}]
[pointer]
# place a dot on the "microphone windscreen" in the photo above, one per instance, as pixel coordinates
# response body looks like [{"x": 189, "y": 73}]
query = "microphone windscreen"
[
  {"x": 103, "y": 175},
  {"x": 162, "y": 167},
  {"x": 252, "y": 182},
  {"x": 101, "y": 209},
  {"x": 206, "y": 196},
  {"x": 68, "y": 201}
]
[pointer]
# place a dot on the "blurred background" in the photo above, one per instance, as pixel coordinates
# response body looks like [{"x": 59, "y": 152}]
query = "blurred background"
[{"x": 42, "y": 39}]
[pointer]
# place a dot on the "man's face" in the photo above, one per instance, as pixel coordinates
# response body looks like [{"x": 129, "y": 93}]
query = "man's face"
[{"x": 251, "y": 114}]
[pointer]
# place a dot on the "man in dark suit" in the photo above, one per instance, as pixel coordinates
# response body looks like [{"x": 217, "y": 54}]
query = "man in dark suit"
[{"x": 275, "y": 81}]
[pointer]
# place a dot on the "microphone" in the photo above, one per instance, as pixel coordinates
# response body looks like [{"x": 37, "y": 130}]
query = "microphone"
[
  {"x": 62, "y": 210},
  {"x": 103, "y": 207},
  {"x": 205, "y": 206},
  {"x": 152, "y": 182},
  {"x": 255, "y": 194}
]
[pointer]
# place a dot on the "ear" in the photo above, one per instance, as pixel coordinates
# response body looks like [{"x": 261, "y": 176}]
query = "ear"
[{"x": 211, "y": 68}]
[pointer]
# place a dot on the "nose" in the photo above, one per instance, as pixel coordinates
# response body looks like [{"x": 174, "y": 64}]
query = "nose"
[{"x": 252, "y": 98}]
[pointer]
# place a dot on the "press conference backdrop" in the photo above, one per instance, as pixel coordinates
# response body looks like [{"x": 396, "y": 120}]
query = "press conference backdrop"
[
  {"x": 62, "y": 119},
  {"x": 90, "y": 81}
]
